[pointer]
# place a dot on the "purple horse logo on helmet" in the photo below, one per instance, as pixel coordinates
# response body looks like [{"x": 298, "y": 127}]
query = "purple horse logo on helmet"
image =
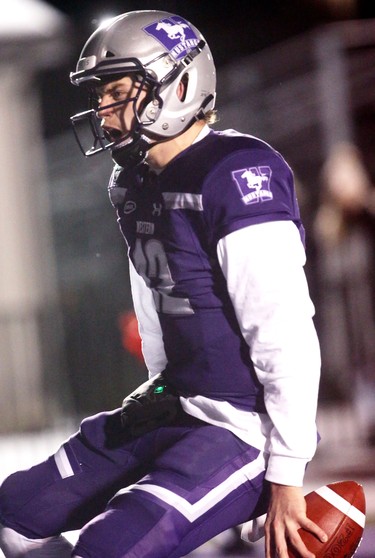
[
  {"x": 173, "y": 30},
  {"x": 175, "y": 34}
]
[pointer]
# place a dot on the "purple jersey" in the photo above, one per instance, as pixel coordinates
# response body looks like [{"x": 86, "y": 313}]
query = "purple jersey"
[{"x": 172, "y": 223}]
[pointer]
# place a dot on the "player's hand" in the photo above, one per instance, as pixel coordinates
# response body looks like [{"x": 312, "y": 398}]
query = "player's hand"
[{"x": 287, "y": 514}]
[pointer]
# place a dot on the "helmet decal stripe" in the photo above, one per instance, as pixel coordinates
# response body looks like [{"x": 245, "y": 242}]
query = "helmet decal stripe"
[{"x": 175, "y": 34}]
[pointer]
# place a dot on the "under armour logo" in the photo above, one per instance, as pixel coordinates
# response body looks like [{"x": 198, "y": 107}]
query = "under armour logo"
[{"x": 156, "y": 209}]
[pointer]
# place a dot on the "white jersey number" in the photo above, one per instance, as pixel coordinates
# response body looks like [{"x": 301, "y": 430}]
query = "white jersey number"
[{"x": 150, "y": 261}]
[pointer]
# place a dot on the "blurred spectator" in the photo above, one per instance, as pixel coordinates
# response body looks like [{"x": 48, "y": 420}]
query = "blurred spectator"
[{"x": 345, "y": 238}]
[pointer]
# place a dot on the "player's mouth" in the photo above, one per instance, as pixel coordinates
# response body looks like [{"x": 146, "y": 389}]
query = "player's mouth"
[{"x": 113, "y": 134}]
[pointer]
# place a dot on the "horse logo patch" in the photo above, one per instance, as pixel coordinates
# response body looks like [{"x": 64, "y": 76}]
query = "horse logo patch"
[
  {"x": 254, "y": 184},
  {"x": 175, "y": 34}
]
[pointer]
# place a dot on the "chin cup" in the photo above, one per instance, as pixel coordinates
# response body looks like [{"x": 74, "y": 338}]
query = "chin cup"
[{"x": 129, "y": 155}]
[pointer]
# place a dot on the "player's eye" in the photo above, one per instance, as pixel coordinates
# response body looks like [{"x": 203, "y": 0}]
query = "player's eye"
[
  {"x": 119, "y": 94},
  {"x": 106, "y": 97}
]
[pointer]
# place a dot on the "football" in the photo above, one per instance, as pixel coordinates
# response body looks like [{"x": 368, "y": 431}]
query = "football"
[{"x": 338, "y": 508}]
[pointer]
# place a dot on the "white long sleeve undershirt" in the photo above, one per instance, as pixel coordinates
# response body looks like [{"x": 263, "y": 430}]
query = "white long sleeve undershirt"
[{"x": 263, "y": 266}]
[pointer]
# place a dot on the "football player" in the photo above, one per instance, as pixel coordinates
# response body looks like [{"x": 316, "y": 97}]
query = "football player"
[{"x": 222, "y": 431}]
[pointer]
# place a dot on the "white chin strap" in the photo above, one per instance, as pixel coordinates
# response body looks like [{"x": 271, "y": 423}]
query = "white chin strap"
[{"x": 15, "y": 545}]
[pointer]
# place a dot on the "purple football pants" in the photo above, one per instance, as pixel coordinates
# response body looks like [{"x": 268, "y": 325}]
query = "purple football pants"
[{"x": 157, "y": 496}]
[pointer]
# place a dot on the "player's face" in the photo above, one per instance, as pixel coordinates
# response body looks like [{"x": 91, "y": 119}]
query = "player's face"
[{"x": 117, "y": 120}]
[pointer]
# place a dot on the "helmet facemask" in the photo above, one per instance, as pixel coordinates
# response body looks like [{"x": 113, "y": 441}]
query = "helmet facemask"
[{"x": 92, "y": 138}]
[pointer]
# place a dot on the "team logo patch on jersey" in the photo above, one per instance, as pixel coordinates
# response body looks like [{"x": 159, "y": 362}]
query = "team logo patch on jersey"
[
  {"x": 175, "y": 34},
  {"x": 254, "y": 184}
]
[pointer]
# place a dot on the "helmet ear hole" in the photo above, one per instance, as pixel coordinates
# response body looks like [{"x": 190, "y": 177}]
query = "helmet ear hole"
[{"x": 183, "y": 87}]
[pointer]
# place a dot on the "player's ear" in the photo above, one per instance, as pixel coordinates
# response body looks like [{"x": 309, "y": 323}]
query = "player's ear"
[{"x": 182, "y": 87}]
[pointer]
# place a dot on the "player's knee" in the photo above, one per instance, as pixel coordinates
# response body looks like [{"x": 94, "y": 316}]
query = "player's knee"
[
  {"x": 20, "y": 496},
  {"x": 10, "y": 493},
  {"x": 95, "y": 540},
  {"x": 140, "y": 531}
]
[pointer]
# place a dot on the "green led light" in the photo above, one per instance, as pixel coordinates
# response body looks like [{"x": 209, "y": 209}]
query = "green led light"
[{"x": 159, "y": 389}]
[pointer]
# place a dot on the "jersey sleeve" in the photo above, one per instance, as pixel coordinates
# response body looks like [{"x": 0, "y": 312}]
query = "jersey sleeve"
[
  {"x": 149, "y": 325},
  {"x": 249, "y": 186},
  {"x": 263, "y": 267}
]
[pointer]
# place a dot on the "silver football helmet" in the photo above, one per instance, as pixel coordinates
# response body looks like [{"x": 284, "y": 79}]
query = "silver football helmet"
[{"x": 160, "y": 49}]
